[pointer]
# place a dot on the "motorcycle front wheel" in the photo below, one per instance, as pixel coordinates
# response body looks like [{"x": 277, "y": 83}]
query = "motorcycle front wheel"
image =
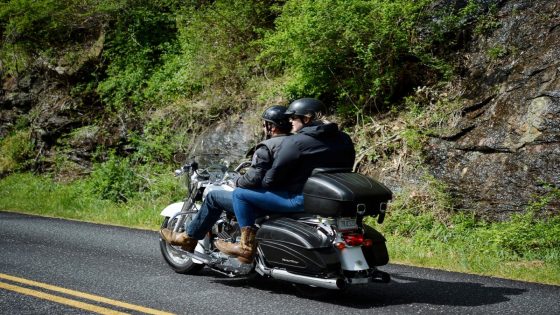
[{"x": 179, "y": 262}]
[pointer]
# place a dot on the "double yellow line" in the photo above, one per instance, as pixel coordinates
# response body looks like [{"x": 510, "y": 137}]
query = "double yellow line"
[{"x": 70, "y": 302}]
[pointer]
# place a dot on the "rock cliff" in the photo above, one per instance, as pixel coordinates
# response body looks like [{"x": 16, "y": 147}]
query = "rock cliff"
[{"x": 507, "y": 146}]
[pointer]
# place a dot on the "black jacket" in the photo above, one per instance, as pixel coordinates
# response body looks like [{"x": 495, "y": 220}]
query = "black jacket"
[
  {"x": 264, "y": 155},
  {"x": 318, "y": 146}
]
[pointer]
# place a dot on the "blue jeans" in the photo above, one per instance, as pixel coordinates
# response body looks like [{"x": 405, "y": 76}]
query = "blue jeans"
[
  {"x": 250, "y": 204},
  {"x": 216, "y": 201}
]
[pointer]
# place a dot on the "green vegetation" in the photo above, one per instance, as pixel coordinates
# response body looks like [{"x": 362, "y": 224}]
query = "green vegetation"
[
  {"x": 150, "y": 75},
  {"x": 42, "y": 195},
  {"x": 357, "y": 54},
  {"x": 362, "y": 52},
  {"x": 15, "y": 151},
  {"x": 497, "y": 52},
  {"x": 526, "y": 247}
]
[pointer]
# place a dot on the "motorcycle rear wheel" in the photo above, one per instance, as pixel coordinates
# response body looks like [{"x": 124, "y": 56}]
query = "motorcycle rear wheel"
[{"x": 177, "y": 260}]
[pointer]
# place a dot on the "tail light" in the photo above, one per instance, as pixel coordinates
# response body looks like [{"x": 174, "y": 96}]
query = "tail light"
[
  {"x": 353, "y": 239},
  {"x": 340, "y": 245}
]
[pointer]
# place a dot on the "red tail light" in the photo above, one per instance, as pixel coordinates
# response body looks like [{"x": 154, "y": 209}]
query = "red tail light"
[
  {"x": 340, "y": 245},
  {"x": 353, "y": 239}
]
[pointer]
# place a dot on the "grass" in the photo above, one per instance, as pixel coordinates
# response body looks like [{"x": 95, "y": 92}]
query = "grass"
[
  {"x": 30, "y": 194},
  {"x": 470, "y": 258},
  {"x": 524, "y": 248}
]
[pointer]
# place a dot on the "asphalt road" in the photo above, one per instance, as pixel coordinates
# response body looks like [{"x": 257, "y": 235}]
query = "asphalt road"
[{"x": 52, "y": 266}]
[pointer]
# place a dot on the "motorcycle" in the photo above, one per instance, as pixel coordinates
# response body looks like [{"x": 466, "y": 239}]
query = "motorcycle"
[{"x": 327, "y": 246}]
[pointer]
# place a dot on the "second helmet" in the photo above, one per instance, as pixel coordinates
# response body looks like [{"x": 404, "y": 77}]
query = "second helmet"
[
  {"x": 276, "y": 115},
  {"x": 305, "y": 107}
]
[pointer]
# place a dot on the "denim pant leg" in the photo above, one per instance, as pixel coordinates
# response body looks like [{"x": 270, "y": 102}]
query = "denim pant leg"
[
  {"x": 249, "y": 204},
  {"x": 216, "y": 201}
]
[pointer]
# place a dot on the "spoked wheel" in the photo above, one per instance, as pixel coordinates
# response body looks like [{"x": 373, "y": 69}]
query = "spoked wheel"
[{"x": 177, "y": 259}]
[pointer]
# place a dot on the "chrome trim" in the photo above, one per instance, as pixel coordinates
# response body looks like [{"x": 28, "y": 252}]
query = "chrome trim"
[{"x": 280, "y": 274}]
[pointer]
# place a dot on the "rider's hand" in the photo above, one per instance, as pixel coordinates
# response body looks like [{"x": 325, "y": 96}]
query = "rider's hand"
[{"x": 232, "y": 179}]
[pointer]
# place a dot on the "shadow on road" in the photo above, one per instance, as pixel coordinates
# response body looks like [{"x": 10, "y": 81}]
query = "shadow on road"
[{"x": 402, "y": 291}]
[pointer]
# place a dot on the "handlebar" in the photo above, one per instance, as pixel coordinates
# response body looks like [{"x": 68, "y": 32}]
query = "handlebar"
[
  {"x": 193, "y": 166},
  {"x": 242, "y": 165}
]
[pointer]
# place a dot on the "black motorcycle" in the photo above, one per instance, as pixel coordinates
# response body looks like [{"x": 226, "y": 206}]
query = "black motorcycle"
[{"x": 327, "y": 246}]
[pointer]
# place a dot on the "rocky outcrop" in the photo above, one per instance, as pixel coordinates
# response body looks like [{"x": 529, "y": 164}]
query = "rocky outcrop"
[
  {"x": 42, "y": 94},
  {"x": 507, "y": 145}
]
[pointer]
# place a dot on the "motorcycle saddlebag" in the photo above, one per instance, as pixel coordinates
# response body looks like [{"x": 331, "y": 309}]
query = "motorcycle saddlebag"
[
  {"x": 344, "y": 194},
  {"x": 297, "y": 247},
  {"x": 377, "y": 254}
]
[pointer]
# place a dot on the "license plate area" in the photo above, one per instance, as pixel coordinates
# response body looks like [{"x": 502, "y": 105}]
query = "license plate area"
[{"x": 346, "y": 224}]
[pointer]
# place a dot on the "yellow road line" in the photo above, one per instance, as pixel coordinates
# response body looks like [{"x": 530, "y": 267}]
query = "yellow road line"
[
  {"x": 88, "y": 296},
  {"x": 58, "y": 299}
]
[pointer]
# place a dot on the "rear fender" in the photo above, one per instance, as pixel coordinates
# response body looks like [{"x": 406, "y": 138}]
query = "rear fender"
[
  {"x": 172, "y": 209},
  {"x": 352, "y": 259}
]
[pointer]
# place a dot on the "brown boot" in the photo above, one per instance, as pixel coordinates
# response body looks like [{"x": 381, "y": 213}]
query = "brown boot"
[
  {"x": 244, "y": 250},
  {"x": 186, "y": 242}
]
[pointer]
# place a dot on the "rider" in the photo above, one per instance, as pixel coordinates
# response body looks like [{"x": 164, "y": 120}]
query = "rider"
[
  {"x": 315, "y": 144},
  {"x": 276, "y": 126}
]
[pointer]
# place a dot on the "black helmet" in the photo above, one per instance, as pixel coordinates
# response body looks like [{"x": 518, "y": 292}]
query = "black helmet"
[
  {"x": 305, "y": 107},
  {"x": 276, "y": 114}
]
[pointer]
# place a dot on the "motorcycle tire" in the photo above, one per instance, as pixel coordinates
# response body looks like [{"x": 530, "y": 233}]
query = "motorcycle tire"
[{"x": 178, "y": 261}]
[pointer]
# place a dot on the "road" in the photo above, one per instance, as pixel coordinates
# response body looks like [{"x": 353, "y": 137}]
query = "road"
[{"x": 53, "y": 266}]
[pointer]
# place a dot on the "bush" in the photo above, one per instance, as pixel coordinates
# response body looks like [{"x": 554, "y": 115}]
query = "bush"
[
  {"x": 217, "y": 42},
  {"x": 156, "y": 143},
  {"x": 142, "y": 34},
  {"x": 115, "y": 179},
  {"x": 348, "y": 49},
  {"x": 16, "y": 151}
]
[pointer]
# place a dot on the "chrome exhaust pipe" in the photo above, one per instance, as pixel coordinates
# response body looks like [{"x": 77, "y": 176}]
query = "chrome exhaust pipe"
[{"x": 331, "y": 283}]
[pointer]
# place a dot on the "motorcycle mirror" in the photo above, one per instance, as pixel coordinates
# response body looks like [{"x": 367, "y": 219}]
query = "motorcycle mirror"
[{"x": 194, "y": 165}]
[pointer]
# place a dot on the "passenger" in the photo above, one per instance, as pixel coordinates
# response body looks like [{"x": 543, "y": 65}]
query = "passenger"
[
  {"x": 276, "y": 126},
  {"x": 315, "y": 144}
]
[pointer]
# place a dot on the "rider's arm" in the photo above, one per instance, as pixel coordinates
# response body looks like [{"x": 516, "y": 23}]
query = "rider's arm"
[{"x": 261, "y": 162}]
